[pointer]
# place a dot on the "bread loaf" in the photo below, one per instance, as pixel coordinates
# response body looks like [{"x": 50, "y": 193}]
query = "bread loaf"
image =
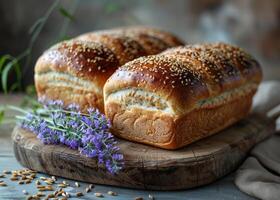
[
  {"x": 75, "y": 71},
  {"x": 182, "y": 95}
]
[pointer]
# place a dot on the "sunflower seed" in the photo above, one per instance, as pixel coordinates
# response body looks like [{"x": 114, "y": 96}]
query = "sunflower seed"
[
  {"x": 77, "y": 184},
  {"x": 43, "y": 178},
  {"x": 6, "y": 172},
  {"x": 112, "y": 193},
  {"x": 40, "y": 194},
  {"x": 13, "y": 178},
  {"x": 66, "y": 194},
  {"x": 51, "y": 196},
  {"x": 98, "y": 194},
  {"x": 25, "y": 192},
  {"x": 21, "y": 182},
  {"x": 29, "y": 197},
  {"x": 49, "y": 182},
  {"x": 33, "y": 175},
  {"x": 88, "y": 190},
  {"x": 2, "y": 184},
  {"x": 62, "y": 185},
  {"x": 79, "y": 194}
]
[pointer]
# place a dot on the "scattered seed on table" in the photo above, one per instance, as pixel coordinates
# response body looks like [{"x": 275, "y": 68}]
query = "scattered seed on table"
[
  {"x": 2, "y": 176},
  {"x": 45, "y": 188},
  {"x": 51, "y": 196},
  {"x": 40, "y": 194},
  {"x": 38, "y": 182},
  {"x": 90, "y": 186},
  {"x": 25, "y": 192},
  {"x": 57, "y": 193},
  {"x": 2, "y": 184},
  {"x": 33, "y": 175},
  {"x": 79, "y": 194},
  {"x": 151, "y": 197},
  {"x": 77, "y": 184},
  {"x": 49, "y": 182},
  {"x": 66, "y": 194},
  {"x": 43, "y": 178},
  {"x": 64, "y": 182},
  {"x": 54, "y": 178},
  {"x": 13, "y": 178},
  {"x": 21, "y": 182},
  {"x": 29, "y": 197},
  {"x": 112, "y": 193},
  {"x": 98, "y": 194},
  {"x": 62, "y": 185},
  {"x": 138, "y": 198},
  {"x": 28, "y": 181},
  {"x": 88, "y": 190},
  {"x": 6, "y": 172}
]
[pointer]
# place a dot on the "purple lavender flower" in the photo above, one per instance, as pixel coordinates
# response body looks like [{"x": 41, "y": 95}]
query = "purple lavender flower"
[{"x": 87, "y": 132}]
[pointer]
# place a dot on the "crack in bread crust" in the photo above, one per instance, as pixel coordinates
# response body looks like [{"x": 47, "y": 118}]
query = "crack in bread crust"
[
  {"x": 131, "y": 98},
  {"x": 60, "y": 79},
  {"x": 172, "y": 132}
]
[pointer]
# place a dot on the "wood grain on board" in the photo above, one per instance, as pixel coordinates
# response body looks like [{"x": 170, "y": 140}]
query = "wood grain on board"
[{"x": 148, "y": 167}]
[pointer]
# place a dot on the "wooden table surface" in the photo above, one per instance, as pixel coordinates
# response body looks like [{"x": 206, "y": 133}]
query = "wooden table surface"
[{"x": 223, "y": 189}]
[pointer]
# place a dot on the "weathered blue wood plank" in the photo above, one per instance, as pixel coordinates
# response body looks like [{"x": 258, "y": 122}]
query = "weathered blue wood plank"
[{"x": 223, "y": 189}]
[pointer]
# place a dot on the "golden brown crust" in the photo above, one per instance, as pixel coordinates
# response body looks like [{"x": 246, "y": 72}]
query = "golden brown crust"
[
  {"x": 125, "y": 48},
  {"x": 169, "y": 78},
  {"x": 164, "y": 36},
  {"x": 170, "y": 132},
  {"x": 61, "y": 70},
  {"x": 76, "y": 70},
  {"x": 182, "y": 92}
]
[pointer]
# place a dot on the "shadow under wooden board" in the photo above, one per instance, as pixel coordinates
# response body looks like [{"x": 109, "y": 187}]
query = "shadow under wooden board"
[{"x": 147, "y": 167}]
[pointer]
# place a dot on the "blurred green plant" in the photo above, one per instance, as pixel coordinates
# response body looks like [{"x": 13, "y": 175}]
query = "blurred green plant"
[
  {"x": 111, "y": 7},
  {"x": 18, "y": 65}
]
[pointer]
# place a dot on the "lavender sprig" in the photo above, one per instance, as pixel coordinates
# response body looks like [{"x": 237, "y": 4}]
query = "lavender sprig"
[{"x": 89, "y": 133}]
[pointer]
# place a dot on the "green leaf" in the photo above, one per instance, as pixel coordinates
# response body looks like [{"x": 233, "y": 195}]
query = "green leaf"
[
  {"x": 36, "y": 25},
  {"x": 3, "y": 59},
  {"x": 65, "y": 13},
  {"x": 14, "y": 87},
  {"x": 111, "y": 7},
  {"x": 4, "y": 76},
  {"x": 30, "y": 90},
  {"x": 13, "y": 64},
  {"x": 2, "y": 114},
  {"x": 18, "y": 73}
]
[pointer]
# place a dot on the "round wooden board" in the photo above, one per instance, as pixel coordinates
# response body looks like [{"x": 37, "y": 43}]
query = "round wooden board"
[{"x": 146, "y": 167}]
